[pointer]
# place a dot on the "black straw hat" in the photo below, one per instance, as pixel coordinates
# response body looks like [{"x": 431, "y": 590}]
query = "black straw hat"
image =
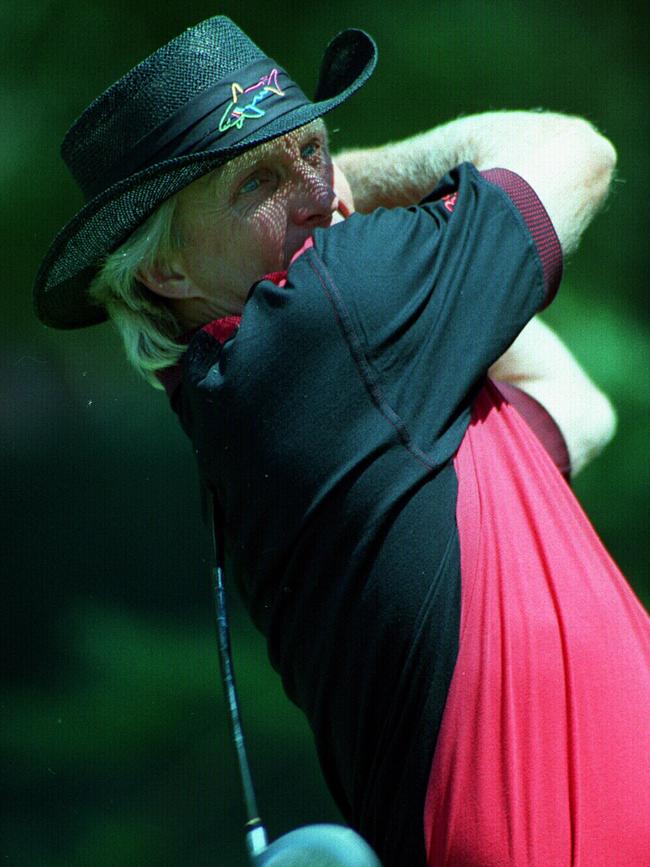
[{"x": 194, "y": 104}]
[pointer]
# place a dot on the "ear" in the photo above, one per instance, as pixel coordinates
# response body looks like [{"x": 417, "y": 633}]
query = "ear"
[{"x": 167, "y": 281}]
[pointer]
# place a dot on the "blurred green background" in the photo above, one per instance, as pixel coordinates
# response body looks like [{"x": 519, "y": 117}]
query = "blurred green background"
[{"x": 115, "y": 741}]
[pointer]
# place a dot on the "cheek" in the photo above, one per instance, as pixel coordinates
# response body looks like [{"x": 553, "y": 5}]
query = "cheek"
[
  {"x": 269, "y": 227},
  {"x": 317, "y": 184}
]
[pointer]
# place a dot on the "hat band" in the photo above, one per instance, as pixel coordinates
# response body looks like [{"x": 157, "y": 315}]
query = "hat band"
[{"x": 227, "y": 112}]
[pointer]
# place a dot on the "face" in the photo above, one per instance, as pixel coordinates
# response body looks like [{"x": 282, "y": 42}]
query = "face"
[{"x": 249, "y": 218}]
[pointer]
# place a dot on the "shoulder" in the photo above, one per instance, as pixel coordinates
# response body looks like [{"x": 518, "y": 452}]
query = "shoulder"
[{"x": 495, "y": 212}]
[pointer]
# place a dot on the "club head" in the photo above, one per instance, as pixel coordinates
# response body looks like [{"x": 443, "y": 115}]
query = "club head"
[{"x": 318, "y": 846}]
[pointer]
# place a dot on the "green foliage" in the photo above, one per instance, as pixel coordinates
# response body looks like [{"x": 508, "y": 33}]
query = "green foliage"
[
  {"x": 137, "y": 745},
  {"x": 113, "y": 720}
]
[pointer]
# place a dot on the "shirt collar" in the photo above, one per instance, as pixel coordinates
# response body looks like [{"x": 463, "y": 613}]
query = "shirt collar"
[{"x": 220, "y": 329}]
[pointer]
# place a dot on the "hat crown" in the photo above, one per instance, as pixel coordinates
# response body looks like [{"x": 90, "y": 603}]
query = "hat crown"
[{"x": 152, "y": 92}]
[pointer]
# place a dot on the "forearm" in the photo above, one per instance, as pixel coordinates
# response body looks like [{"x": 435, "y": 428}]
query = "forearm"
[
  {"x": 541, "y": 365},
  {"x": 564, "y": 159}
]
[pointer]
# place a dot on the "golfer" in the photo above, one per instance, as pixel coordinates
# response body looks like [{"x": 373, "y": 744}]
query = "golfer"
[{"x": 387, "y": 431}]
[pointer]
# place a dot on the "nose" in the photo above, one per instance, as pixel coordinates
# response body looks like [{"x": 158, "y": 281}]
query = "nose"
[{"x": 312, "y": 200}]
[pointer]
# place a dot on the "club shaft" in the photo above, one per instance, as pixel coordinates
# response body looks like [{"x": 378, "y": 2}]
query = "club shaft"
[{"x": 255, "y": 833}]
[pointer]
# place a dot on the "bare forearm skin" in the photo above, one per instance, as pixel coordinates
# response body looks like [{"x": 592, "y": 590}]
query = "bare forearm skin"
[{"x": 567, "y": 162}]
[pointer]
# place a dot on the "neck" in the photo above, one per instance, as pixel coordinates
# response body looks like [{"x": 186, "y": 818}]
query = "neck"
[{"x": 195, "y": 312}]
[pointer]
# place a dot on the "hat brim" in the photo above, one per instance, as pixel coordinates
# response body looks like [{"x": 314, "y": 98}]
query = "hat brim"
[{"x": 61, "y": 299}]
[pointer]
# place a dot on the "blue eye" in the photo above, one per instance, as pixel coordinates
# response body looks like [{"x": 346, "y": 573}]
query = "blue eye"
[
  {"x": 310, "y": 150},
  {"x": 250, "y": 185}
]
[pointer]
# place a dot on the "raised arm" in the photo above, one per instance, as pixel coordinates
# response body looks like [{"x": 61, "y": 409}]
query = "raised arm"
[{"x": 566, "y": 161}]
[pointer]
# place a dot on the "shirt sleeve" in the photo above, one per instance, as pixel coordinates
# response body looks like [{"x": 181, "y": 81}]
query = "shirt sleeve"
[
  {"x": 430, "y": 296},
  {"x": 538, "y": 222}
]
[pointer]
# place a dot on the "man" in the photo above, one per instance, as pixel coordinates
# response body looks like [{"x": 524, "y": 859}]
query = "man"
[{"x": 431, "y": 593}]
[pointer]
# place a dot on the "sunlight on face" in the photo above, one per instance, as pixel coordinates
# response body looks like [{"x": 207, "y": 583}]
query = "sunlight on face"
[{"x": 248, "y": 218}]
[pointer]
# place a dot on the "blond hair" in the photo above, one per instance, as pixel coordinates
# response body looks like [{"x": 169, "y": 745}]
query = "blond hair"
[{"x": 147, "y": 326}]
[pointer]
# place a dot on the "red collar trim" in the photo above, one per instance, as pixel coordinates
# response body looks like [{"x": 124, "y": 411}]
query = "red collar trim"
[
  {"x": 309, "y": 243},
  {"x": 277, "y": 277},
  {"x": 220, "y": 329},
  {"x": 223, "y": 328}
]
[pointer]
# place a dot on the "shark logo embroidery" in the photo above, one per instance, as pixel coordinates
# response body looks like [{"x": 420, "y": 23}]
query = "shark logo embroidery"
[{"x": 236, "y": 113}]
